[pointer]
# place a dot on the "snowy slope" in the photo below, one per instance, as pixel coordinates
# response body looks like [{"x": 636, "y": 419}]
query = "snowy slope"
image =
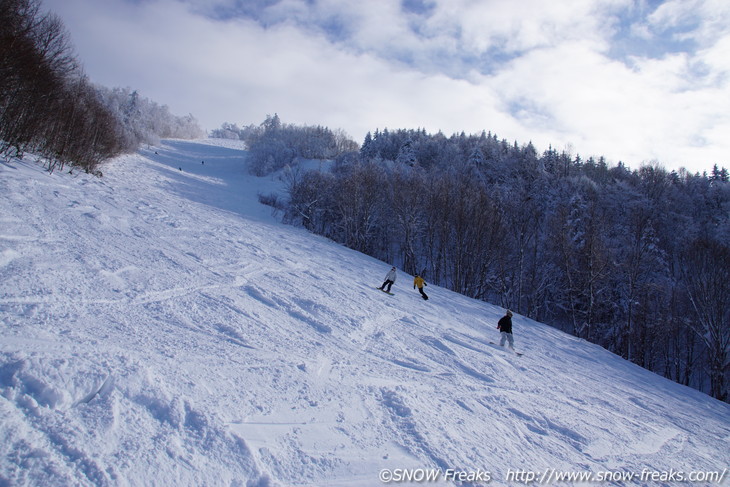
[{"x": 159, "y": 327}]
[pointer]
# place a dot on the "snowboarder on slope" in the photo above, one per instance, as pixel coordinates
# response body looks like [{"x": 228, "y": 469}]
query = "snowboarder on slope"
[
  {"x": 419, "y": 282},
  {"x": 389, "y": 280},
  {"x": 504, "y": 325}
]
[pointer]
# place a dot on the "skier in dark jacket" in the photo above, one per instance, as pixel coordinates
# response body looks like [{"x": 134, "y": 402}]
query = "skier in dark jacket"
[{"x": 504, "y": 325}]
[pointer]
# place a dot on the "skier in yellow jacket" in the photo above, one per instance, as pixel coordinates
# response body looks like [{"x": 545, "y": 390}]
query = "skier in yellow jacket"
[{"x": 419, "y": 283}]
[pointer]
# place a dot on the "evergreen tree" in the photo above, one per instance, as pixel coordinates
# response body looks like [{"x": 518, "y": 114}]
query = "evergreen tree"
[{"x": 407, "y": 154}]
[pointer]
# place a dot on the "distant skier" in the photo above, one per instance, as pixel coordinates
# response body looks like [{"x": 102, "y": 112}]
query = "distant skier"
[
  {"x": 418, "y": 282},
  {"x": 504, "y": 325},
  {"x": 389, "y": 280}
]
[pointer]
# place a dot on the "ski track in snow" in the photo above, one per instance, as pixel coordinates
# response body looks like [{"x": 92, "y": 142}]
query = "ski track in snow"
[{"x": 161, "y": 327}]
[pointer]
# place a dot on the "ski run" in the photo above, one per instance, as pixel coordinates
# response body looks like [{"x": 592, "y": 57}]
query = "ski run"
[{"x": 159, "y": 326}]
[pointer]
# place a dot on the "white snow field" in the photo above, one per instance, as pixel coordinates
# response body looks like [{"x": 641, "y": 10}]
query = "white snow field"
[{"x": 161, "y": 328}]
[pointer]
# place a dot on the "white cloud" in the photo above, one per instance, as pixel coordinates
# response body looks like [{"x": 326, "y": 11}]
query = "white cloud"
[
  {"x": 366, "y": 65},
  {"x": 520, "y": 26}
]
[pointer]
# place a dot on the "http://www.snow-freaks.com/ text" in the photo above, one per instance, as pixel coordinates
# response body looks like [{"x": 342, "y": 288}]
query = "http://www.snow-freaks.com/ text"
[{"x": 547, "y": 476}]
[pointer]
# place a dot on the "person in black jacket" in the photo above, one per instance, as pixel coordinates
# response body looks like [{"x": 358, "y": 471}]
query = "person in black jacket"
[{"x": 504, "y": 325}]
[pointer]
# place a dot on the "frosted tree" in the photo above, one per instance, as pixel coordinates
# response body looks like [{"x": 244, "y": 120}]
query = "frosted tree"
[
  {"x": 578, "y": 232},
  {"x": 641, "y": 267},
  {"x": 406, "y": 200},
  {"x": 366, "y": 151},
  {"x": 706, "y": 271},
  {"x": 407, "y": 154},
  {"x": 357, "y": 198},
  {"x": 477, "y": 159}
]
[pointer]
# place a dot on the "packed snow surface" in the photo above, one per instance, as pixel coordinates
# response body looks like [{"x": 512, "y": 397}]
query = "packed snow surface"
[{"x": 161, "y": 327}]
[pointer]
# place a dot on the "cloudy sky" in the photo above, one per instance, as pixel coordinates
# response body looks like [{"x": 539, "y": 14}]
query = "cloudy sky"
[{"x": 638, "y": 81}]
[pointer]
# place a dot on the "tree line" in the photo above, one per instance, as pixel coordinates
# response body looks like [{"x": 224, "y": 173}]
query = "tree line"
[
  {"x": 637, "y": 261},
  {"x": 49, "y": 107},
  {"x": 273, "y": 145}
]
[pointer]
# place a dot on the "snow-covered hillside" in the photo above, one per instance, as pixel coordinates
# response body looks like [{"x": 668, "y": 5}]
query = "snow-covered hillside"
[{"x": 160, "y": 327}]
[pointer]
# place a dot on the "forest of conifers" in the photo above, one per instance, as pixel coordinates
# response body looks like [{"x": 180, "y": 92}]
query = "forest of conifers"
[{"x": 637, "y": 261}]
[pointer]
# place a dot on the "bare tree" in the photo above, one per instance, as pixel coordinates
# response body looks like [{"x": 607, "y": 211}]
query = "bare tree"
[{"x": 706, "y": 272}]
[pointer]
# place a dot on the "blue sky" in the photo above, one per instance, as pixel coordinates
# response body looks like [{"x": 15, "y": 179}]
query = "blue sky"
[{"x": 636, "y": 81}]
